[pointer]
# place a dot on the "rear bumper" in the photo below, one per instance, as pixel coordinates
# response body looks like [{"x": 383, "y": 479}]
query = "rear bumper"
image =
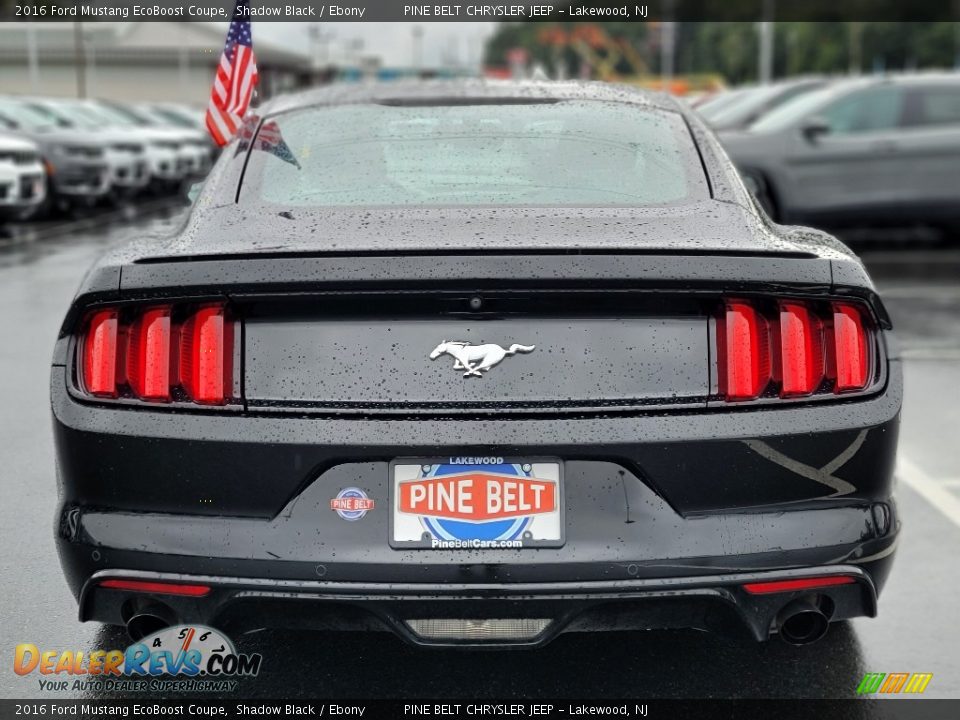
[
  {"x": 714, "y": 602},
  {"x": 667, "y": 515}
]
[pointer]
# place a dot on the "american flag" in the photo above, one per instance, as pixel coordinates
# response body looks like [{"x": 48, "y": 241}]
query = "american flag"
[
  {"x": 235, "y": 80},
  {"x": 270, "y": 140}
]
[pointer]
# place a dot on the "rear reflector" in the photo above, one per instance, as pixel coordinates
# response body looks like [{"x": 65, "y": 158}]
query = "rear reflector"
[
  {"x": 851, "y": 355},
  {"x": 148, "y": 355},
  {"x": 791, "y": 349},
  {"x": 158, "y": 588},
  {"x": 100, "y": 355},
  {"x": 781, "y": 586},
  {"x": 745, "y": 352}
]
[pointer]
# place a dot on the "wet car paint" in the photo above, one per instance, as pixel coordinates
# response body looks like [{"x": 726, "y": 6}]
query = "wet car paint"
[
  {"x": 181, "y": 463},
  {"x": 37, "y": 279}
]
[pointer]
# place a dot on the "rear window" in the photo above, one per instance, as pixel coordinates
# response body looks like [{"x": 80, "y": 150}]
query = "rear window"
[
  {"x": 938, "y": 105},
  {"x": 869, "y": 110},
  {"x": 539, "y": 153}
]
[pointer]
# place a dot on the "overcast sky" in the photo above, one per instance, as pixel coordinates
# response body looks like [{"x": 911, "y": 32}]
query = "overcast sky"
[{"x": 443, "y": 43}]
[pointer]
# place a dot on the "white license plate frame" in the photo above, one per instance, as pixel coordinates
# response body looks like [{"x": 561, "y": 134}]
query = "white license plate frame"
[{"x": 540, "y": 528}]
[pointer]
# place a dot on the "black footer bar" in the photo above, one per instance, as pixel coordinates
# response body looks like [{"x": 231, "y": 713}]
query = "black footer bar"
[{"x": 466, "y": 709}]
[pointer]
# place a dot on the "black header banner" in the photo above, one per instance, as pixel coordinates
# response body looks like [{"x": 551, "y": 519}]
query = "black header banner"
[{"x": 506, "y": 11}]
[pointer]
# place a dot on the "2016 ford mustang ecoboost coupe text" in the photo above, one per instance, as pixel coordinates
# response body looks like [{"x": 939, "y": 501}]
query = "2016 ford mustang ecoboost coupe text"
[{"x": 477, "y": 363}]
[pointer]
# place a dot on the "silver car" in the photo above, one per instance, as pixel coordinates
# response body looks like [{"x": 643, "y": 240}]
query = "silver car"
[
  {"x": 125, "y": 149},
  {"x": 740, "y": 108},
  {"x": 77, "y": 172},
  {"x": 865, "y": 152}
]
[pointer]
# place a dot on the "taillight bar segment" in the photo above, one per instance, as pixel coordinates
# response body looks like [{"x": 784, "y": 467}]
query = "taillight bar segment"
[
  {"x": 852, "y": 356},
  {"x": 99, "y": 353},
  {"x": 148, "y": 355},
  {"x": 791, "y": 349},
  {"x": 800, "y": 335},
  {"x": 158, "y": 354},
  {"x": 205, "y": 356},
  {"x": 744, "y": 342}
]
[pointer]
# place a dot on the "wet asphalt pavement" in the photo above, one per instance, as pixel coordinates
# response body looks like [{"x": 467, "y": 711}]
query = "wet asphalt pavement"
[{"x": 918, "y": 629}]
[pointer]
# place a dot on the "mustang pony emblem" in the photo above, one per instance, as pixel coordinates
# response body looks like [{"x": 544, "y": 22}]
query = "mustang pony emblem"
[{"x": 476, "y": 359}]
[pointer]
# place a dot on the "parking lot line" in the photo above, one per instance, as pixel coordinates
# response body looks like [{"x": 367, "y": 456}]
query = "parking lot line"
[{"x": 931, "y": 490}]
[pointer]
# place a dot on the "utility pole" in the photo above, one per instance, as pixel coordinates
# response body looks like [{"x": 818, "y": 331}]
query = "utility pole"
[
  {"x": 956, "y": 35},
  {"x": 184, "y": 64},
  {"x": 32, "y": 58},
  {"x": 91, "y": 63},
  {"x": 668, "y": 39},
  {"x": 319, "y": 41},
  {"x": 856, "y": 47},
  {"x": 80, "y": 59},
  {"x": 765, "y": 63},
  {"x": 417, "y": 48}
]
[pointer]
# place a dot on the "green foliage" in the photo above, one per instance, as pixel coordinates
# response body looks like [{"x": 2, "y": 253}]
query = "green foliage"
[{"x": 730, "y": 48}]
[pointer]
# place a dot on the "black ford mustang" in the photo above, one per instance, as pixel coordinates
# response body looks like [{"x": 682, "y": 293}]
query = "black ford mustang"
[{"x": 477, "y": 363}]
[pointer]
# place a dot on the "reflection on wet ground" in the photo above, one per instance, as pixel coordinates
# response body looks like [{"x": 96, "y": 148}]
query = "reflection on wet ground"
[{"x": 22, "y": 243}]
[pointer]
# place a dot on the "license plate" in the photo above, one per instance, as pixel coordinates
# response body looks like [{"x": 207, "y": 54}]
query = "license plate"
[{"x": 476, "y": 503}]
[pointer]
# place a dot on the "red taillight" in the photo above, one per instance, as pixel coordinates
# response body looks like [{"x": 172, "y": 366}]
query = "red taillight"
[
  {"x": 100, "y": 354},
  {"x": 851, "y": 354},
  {"x": 158, "y": 588},
  {"x": 791, "y": 349},
  {"x": 780, "y": 586},
  {"x": 147, "y": 354},
  {"x": 205, "y": 355},
  {"x": 801, "y": 350},
  {"x": 745, "y": 352}
]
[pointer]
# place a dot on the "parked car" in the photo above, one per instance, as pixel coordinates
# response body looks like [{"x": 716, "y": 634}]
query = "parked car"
[
  {"x": 870, "y": 151},
  {"x": 194, "y": 145},
  {"x": 167, "y": 161},
  {"x": 716, "y": 102},
  {"x": 125, "y": 149},
  {"x": 494, "y": 361},
  {"x": 23, "y": 185},
  {"x": 75, "y": 161},
  {"x": 752, "y": 103},
  {"x": 184, "y": 116},
  {"x": 175, "y": 114}
]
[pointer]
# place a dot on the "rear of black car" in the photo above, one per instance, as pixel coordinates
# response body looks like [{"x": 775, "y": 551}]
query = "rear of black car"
[{"x": 693, "y": 427}]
